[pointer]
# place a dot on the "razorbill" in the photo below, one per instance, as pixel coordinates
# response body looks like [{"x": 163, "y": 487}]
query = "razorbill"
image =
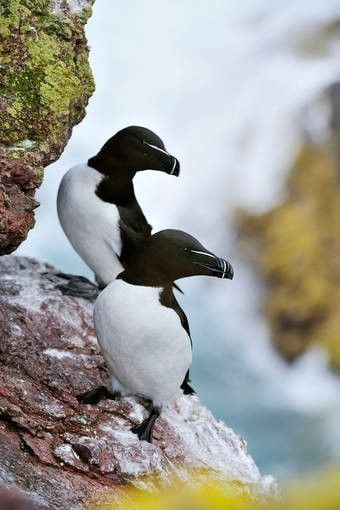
[
  {"x": 94, "y": 196},
  {"x": 142, "y": 331}
]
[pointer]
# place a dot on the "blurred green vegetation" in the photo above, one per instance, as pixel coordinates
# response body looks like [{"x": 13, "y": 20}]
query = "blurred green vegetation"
[
  {"x": 299, "y": 256},
  {"x": 320, "y": 493}
]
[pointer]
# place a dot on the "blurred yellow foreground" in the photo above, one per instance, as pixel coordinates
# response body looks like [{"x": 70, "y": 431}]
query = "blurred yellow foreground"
[{"x": 318, "y": 493}]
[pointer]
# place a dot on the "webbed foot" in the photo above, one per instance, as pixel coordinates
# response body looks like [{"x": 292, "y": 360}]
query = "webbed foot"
[
  {"x": 145, "y": 429},
  {"x": 185, "y": 386},
  {"x": 96, "y": 395},
  {"x": 78, "y": 286}
]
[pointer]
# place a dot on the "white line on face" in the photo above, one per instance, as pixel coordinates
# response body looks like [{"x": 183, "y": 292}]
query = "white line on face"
[
  {"x": 156, "y": 148},
  {"x": 203, "y": 253}
]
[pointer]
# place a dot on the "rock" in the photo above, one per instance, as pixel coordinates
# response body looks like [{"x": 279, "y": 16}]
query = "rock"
[
  {"x": 45, "y": 85},
  {"x": 12, "y": 499},
  {"x": 63, "y": 454}
]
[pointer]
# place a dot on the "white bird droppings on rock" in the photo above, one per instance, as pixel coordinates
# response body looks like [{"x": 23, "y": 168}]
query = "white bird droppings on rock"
[
  {"x": 71, "y": 6},
  {"x": 90, "y": 447}
]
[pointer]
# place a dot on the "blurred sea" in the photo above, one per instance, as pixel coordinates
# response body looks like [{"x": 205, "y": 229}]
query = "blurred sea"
[{"x": 225, "y": 85}]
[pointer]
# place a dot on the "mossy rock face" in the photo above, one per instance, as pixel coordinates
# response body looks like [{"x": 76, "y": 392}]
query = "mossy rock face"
[
  {"x": 45, "y": 84},
  {"x": 300, "y": 257}
]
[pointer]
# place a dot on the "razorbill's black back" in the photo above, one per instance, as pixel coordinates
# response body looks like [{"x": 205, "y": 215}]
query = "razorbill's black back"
[
  {"x": 94, "y": 197},
  {"x": 142, "y": 331}
]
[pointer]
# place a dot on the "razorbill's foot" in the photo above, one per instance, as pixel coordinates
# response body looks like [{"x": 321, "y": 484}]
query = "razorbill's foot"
[
  {"x": 78, "y": 286},
  {"x": 96, "y": 395}
]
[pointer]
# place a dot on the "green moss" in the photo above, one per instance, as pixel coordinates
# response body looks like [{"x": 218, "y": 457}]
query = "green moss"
[
  {"x": 15, "y": 109},
  {"x": 300, "y": 257},
  {"x": 46, "y": 76},
  {"x": 59, "y": 88},
  {"x": 42, "y": 50},
  {"x": 85, "y": 14},
  {"x": 58, "y": 26},
  {"x": 45, "y": 83},
  {"x": 13, "y": 14}
]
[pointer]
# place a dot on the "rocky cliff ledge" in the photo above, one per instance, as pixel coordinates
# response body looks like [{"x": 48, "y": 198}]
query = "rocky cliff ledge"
[
  {"x": 45, "y": 85},
  {"x": 63, "y": 454}
]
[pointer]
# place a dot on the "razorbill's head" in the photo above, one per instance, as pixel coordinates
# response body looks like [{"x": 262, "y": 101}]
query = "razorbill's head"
[
  {"x": 172, "y": 254},
  {"x": 133, "y": 149}
]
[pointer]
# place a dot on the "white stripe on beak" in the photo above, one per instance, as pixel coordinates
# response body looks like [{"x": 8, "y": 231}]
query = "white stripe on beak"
[{"x": 173, "y": 167}]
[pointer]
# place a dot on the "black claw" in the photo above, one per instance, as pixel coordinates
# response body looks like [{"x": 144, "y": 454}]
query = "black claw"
[
  {"x": 187, "y": 389},
  {"x": 96, "y": 395},
  {"x": 145, "y": 429},
  {"x": 185, "y": 386}
]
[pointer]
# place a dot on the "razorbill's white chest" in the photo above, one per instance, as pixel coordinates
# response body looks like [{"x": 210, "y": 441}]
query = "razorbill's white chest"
[
  {"x": 95, "y": 198},
  {"x": 91, "y": 225},
  {"x": 140, "y": 327},
  {"x": 141, "y": 341}
]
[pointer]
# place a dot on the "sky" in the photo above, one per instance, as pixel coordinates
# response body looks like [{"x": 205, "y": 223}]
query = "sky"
[{"x": 220, "y": 83}]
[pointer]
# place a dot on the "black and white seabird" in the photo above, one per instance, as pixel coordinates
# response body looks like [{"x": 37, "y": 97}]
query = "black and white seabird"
[
  {"x": 94, "y": 197},
  {"x": 142, "y": 331}
]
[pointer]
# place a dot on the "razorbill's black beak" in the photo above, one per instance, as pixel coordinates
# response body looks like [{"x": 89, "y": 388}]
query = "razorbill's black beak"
[
  {"x": 215, "y": 265},
  {"x": 169, "y": 163}
]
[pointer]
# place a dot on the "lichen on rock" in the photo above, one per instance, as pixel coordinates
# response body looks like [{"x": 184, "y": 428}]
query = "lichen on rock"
[{"x": 45, "y": 85}]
